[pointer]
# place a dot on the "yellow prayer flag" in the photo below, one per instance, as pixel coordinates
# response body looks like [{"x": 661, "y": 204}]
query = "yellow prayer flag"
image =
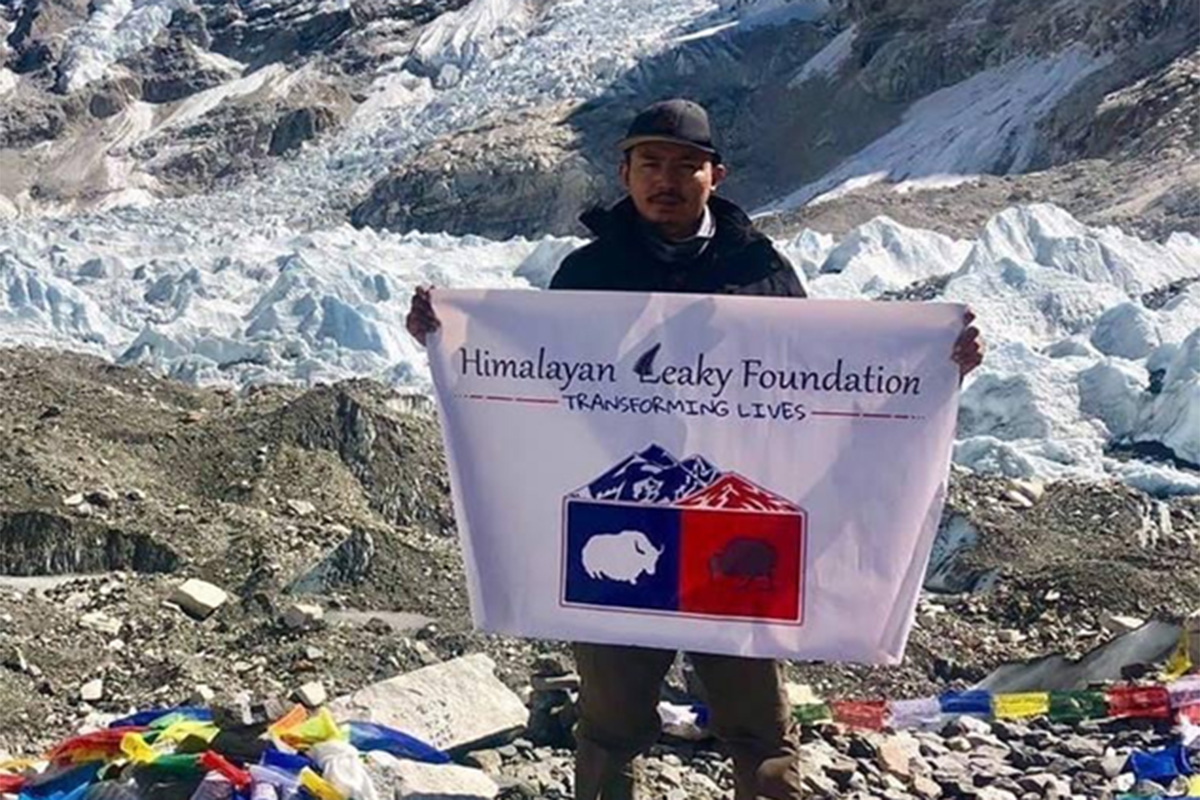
[
  {"x": 1178, "y": 664},
  {"x": 319, "y": 787},
  {"x": 1022, "y": 705},
  {"x": 135, "y": 748},
  {"x": 176, "y": 732},
  {"x": 321, "y": 727}
]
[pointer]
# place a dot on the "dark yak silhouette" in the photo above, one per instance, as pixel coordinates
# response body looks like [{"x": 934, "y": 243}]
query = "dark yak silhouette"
[{"x": 745, "y": 558}]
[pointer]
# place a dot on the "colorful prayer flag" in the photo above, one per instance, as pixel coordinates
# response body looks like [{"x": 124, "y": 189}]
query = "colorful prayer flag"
[
  {"x": 867, "y": 714},
  {"x": 916, "y": 713},
  {"x": 976, "y": 702},
  {"x": 1179, "y": 663},
  {"x": 1184, "y": 692},
  {"x": 1162, "y": 766},
  {"x": 812, "y": 713},
  {"x": 1021, "y": 706},
  {"x": 1143, "y": 702},
  {"x": 1074, "y": 705}
]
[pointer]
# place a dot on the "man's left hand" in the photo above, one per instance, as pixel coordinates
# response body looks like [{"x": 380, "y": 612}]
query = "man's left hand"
[{"x": 968, "y": 348}]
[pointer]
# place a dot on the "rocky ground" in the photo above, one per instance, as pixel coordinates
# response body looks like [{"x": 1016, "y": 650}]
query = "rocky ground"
[
  {"x": 968, "y": 758},
  {"x": 116, "y": 486}
]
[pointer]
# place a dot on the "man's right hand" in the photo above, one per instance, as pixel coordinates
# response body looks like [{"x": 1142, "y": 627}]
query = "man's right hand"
[{"x": 422, "y": 320}]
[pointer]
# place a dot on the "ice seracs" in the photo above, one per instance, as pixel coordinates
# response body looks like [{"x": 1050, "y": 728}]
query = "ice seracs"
[
  {"x": 882, "y": 255},
  {"x": 1079, "y": 366}
]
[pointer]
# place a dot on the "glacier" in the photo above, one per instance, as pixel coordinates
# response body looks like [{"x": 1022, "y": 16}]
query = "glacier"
[{"x": 1077, "y": 363}]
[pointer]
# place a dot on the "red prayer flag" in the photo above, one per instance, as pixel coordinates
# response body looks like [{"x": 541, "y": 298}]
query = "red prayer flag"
[
  {"x": 214, "y": 761},
  {"x": 11, "y": 784},
  {"x": 95, "y": 746},
  {"x": 867, "y": 714},
  {"x": 1145, "y": 702},
  {"x": 1190, "y": 712}
]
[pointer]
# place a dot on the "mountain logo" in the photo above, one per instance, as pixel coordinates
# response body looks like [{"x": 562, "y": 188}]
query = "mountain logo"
[{"x": 657, "y": 534}]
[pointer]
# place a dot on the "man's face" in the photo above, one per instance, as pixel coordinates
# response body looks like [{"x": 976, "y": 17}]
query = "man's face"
[{"x": 670, "y": 184}]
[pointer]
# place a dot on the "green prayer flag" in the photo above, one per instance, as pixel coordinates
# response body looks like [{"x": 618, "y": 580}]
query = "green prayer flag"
[
  {"x": 811, "y": 713},
  {"x": 176, "y": 767},
  {"x": 1066, "y": 706}
]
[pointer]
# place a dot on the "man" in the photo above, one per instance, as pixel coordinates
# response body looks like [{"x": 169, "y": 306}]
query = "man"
[{"x": 673, "y": 234}]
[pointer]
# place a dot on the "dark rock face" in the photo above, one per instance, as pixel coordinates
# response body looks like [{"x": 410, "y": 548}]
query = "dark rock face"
[
  {"x": 259, "y": 32},
  {"x": 1149, "y": 118},
  {"x": 205, "y": 44},
  {"x": 36, "y": 39},
  {"x": 37, "y": 543},
  {"x": 376, "y": 446},
  {"x": 29, "y": 123},
  {"x": 107, "y": 101},
  {"x": 357, "y": 52},
  {"x": 30, "y": 57},
  {"x": 516, "y": 175},
  {"x": 299, "y": 126},
  {"x": 231, "y": 141},
  {"x": 188, "y": 22},
  {"x": 779, "y": 132},
  {"x": 221, "y": 144},
  {"x": 173, "y": 71}
]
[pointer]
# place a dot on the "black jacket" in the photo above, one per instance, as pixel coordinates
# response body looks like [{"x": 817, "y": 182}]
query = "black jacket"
[{"x": 739, "y": 259}]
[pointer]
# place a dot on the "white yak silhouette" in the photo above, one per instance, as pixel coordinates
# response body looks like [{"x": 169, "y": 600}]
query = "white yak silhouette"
[{"x": 620, "y": 556}]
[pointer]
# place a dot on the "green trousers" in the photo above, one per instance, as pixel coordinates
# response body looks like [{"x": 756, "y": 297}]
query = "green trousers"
[{"x": 618, "y": 719}]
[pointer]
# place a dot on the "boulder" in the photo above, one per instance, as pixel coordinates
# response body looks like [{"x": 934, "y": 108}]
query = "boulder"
[
  {"x": 100, "y": 622},
  {"x": 396, "y": 779},
  {"x": 312, "y": 694},
  {"x": 452, "y": 705},
  {"x": 897, "y": 753},
  {"x": 198, "y": 598},
  {"x": 92, "y": 691},
  {"x": 303, "y": 617},
  {"x": 301, "y": 508}
]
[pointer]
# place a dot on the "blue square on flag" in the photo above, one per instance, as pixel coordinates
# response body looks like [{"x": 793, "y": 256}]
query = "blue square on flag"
[{"x": 622, "y": 554}]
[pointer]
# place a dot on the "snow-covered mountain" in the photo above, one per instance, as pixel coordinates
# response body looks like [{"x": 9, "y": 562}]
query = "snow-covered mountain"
[
  {"x": 246, "y": 191},
  {"x": 497, "y": 117}
]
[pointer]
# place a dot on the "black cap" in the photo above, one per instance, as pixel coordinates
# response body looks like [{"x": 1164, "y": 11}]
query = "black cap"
[{"x": 677, "y": 121}]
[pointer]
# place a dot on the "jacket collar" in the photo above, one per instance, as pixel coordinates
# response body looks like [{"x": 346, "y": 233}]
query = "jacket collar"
[{"x": 734, "y": 227}]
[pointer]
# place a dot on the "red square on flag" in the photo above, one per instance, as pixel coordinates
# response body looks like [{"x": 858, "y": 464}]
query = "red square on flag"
[{"x": 741, "y": 563}]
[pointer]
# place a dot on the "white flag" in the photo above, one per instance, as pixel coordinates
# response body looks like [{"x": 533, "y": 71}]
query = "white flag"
[{"x": 742, "y": 475}]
